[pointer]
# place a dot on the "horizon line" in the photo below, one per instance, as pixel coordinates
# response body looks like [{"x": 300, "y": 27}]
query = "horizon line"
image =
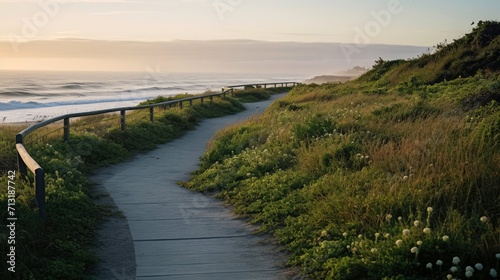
[{"x": 72, "y": 39}]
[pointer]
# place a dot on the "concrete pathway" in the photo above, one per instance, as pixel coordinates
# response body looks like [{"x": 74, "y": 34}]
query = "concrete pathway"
[{"x": 179, "y": 234}]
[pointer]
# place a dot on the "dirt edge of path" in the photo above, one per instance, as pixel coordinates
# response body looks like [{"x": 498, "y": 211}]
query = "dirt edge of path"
[{"x": 115, "y": 246}]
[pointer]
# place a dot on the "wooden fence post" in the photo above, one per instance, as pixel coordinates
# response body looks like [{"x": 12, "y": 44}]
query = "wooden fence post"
[
  {"x": 21, "y": 165},
  {"x": 123, "y": 120},
  {"x": 66, "y": 130},
  {"x": 40, "y": 192}
]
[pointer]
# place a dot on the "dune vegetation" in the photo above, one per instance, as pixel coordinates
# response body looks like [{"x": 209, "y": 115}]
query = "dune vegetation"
[
  {"x": 395, "y": 175},
  {"x": 61, "y": 246}
]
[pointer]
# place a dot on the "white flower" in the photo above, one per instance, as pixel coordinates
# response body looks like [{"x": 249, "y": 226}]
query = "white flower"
[
  {"x": 406, "y": 232},
  {"x": 419, "y": 243},
  {"x": 427, "y": 230},
  {"x": 414, "y": 250},
  {"x": 400, "y": 218},
  {"x": 484, "y": 219},
  {"x": 479, "y": 266},
  {"x": 360, "y": 236},
  {"x": 399, "y": 242},
  {"x": 324, "y": 233},
  {"x": 497, "y": 256},
  {"x": 454, "y": 269},
  {"x": 377, "y": 235},
  {"x": 405, "y": 178},
  {"x": 439, "y": 262},
  {"x": 344, "y": 234},
  {"x": 456, "y": 260},
  {"x": 388, "y": 217},
  {"x": 429, "y": 266},
  {"x": 449, "y": 276},
  {"x": 469, "y": 268},
  {"x": 493, "y": 273},
  {"x": 374, "y": 250},
  {"x": 387, "y": 235},
  {"x": 469, "y": 273},
  {"x": 446, "y": 238},
  {"x": 429, "y": 209},
  {"x": 416, "y": 223}
]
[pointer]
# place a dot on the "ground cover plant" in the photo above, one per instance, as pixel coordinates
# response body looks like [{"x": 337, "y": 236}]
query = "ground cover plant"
[
  {"x": 61, "y": 246},
  {"x": 392, "y": 176}
]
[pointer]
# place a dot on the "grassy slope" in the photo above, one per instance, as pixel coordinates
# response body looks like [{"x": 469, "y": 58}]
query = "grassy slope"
[
  {"x": 378, "y": 177},
  {"x": 60, "y": 248}
]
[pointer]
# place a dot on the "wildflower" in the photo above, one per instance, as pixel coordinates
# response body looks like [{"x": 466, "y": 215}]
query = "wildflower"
[
  {"x": 449, "y": 276},
  {"x": 344, "y": 234},
  {"x": 406, "y": 232},
  {"x": 484, "y": 219},
  {"x": 429, "y": 209},
  {"x": 419, "y": 243},
  {"x": 497, "y": 256},
  {"x": 387, "y": 235},
  {"x": 479, "y": 266},
  {"x": 427, "y": 230},
  {"x": 405, "y": 178},
  {"x": 400, "y": 218},
  {"x": 456, "y": 260},
  {"x": 493, "y": 273},
  {"x": 429, "y": 266},
  {"x": 377, "y": 235},
  {"x": 469, "y": 268},
  {"x": 439, "y": 262},
  {"x": 388, "y": 217},
  {"x": 416, "y": 223},
  {"x": 360, "y": 236},
  {"x": 399, "y": 242},
  {"x": 454, "y": 269},
  {"x": 324, "y": 233},
  {"x": 469, "y": 273},
  {"x": 374, "y": 250},
  {"x": 414, "y": 250},
  {"x": 446, "y": 238}
]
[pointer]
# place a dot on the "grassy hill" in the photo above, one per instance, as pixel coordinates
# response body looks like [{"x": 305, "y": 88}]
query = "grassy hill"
[{"x": 395, "y": 175}]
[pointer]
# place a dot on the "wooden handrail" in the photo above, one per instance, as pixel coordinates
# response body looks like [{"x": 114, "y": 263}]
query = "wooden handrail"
[{"x": 26, "y": 162}]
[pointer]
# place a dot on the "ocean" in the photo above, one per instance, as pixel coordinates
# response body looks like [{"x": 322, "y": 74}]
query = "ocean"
[{"x": 31, "y": 96}]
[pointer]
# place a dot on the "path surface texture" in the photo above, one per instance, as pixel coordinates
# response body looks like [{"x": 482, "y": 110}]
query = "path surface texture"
[{"x": 179, "y": 234}]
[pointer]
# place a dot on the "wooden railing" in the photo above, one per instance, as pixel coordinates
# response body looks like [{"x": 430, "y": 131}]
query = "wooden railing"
[{"x": 26, "y": 162}]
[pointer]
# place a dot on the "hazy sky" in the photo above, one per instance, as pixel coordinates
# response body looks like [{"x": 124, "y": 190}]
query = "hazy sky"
[
  {"x": 422, "y": 22},
  {"x": 394, "y": 22}
]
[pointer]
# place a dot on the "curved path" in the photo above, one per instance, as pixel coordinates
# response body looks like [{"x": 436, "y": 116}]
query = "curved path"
[{"x": 176, "y": 233}]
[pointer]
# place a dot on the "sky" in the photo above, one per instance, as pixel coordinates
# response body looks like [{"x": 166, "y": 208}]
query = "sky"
[{"x": 393, "y": 22}]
